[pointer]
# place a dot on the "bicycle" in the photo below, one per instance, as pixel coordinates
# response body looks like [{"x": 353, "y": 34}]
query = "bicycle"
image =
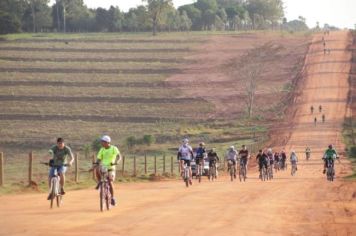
[
  {"x": 200, "y": 169},
  {"x": 55, "y": 186},
  {"x": 232, "y": 169},
  {"x": 330, "y": 172},
  {"x": 212, "y": 171},
  {"x": 242, "y": 171},
  {"x": 307, "y": 156},
  {"x": 186, "y": 174},
  {"x": 263, "y": 173},
  {"x": 294, "y": 168},
  {"x": 270, "y": 171},
  {"x": 276, "y": 166},
  {"x": 104, "y": 187}
]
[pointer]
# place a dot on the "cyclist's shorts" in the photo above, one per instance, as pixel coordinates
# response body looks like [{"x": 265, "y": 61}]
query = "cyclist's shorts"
[
  {"x": 59, "y": 170},
  {"x": 211, "y": 163},
  {"x": 186, "y": 162},
  {"x": 199, "y": 160},
  {"x": 233, "y": 161},
  {"x": 243, "y": 160}
]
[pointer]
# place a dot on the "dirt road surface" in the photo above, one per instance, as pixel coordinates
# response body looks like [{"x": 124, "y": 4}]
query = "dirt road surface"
[{"x": 302, "y": 205}]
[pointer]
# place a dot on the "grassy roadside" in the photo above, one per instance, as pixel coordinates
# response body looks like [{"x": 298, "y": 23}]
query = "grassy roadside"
[{"x": 350, "y": 142}]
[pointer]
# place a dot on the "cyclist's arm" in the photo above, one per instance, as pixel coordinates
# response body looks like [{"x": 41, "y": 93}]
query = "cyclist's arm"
[
  {"x": 118, "y": 158},
  {"x": 179, "y": 155},
  {"x": 71, "y": 156}
]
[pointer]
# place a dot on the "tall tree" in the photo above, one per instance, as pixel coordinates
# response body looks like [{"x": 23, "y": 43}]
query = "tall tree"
[
  {"x": 36, "y": 16},
  {"x": 11, "y": 12},
  {"x": 155, "y": 9}
]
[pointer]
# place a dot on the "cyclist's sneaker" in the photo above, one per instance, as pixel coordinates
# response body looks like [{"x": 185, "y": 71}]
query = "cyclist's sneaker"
[
  {"x": 49, "y": 196},
  {"x": 62, "y": 191},
  {"x": 97, "y": 186},
  {"x": 190, "y": 182},
  {"x": 235, "y": 176},
  {"x": 324, "y": 171},
  {"x": 113, "y": 202}
]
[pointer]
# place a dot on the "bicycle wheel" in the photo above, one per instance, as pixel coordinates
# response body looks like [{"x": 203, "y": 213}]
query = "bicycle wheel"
[
  {"x": 53, "y": 190},
  {"x": 59, "y": 200},
  {"x": 102, "y": 197},
  {"x": 231, "y": 173},
  {"x": 244, "y": 173}
]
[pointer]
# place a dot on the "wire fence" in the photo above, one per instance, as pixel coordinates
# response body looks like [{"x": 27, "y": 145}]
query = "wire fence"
[{"x": 27, "y": 169}]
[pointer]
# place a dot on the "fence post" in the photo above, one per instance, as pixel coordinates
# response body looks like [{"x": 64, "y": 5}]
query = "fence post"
[
  {"x": 164, "y": 163},
  {"x": 171, "y": 165},
  {"x": 30, "y": 168},
  {"x": 145, "y": 164},
  {"x": 123, "y": 165},
  {"x": 76, "y": 158},
  {"x": 134, "y": 166},
  {"x": 1, "y": 169},
  {"x": 155, "y": 165}
]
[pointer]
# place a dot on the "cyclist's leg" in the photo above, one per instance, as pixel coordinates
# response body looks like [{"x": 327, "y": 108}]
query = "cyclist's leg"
[
  {"x": 181, "y": 162},
  {"x": 61, "y": 172},
  {"x": 111, "y": 176}
]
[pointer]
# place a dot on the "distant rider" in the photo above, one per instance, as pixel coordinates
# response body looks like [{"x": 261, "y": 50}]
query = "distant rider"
[
  {"x": 329, "y": 155},
  {"x": 294, "y": 159},
  {"x": 200, "y": 154},
  {"x": 231, "y": 155},
  {"x": 185, "y": 156},
  {"x": 307, "y": 153},
  {"x": 262, "y": 160},
  {"x": 244, "y": 156},
  {"x": 213, "y": 158}
]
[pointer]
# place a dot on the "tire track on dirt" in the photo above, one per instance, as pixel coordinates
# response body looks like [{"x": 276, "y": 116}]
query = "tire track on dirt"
[
  {"x": 96, "y": 50},
  {"x": 97, "y": 71}
]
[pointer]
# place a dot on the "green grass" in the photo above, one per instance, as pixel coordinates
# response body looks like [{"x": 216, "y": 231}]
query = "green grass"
[{"x": 349, "y": 140}]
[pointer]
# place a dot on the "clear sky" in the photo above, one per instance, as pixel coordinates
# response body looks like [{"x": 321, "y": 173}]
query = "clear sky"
[{"x": 340, "y": 13}]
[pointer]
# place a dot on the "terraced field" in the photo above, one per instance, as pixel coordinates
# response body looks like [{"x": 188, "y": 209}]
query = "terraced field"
[{"x": 81, "y": 86}]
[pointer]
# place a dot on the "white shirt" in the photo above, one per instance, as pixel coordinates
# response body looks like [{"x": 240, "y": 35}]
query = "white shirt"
[
  {"x": 293, "y": 158},
  {"x": 231, "y": 155},
  {"x": 185, "y": 151}
]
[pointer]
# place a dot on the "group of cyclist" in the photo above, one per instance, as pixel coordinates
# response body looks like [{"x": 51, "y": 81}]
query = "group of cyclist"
[
  {"x": 109, "y": 155},
  {"x": 315, "y": 118}
]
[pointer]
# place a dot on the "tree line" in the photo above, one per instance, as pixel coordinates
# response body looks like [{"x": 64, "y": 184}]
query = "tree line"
[{"x": 152, "y": 15}]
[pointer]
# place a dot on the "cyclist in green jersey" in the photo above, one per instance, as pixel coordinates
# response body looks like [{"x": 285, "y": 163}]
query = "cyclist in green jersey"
[
  {"x": 108, "y": 155},
  {"x": 330, "y": 154}
]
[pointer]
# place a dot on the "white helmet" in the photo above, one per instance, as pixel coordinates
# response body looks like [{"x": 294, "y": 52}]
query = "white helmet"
[
  {"x": 106, "y": 138},
  {"x": 269, "y": 150},
  {"x": 185, "y": 141},
  {"x": 232, "y": 148}
]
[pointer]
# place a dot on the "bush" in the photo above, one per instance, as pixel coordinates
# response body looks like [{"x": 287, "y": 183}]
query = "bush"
[
  {"x": 352, "y": 151},
  {"x": 148, "y": 139},
  {"x": 131, "y": 142},
  {"x": 96, "y": 145}
]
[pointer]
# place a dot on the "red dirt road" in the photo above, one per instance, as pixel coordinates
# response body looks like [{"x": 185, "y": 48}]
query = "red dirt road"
[{"x": 302, "y": 205}]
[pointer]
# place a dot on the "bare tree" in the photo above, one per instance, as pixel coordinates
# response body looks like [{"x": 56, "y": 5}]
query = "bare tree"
[{"x": 251, "y": 73}]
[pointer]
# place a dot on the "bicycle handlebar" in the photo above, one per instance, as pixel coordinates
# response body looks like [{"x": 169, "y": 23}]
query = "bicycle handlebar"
[
  {"x": 51, "y": 165},
  {"x": 112, "y": 164}
]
